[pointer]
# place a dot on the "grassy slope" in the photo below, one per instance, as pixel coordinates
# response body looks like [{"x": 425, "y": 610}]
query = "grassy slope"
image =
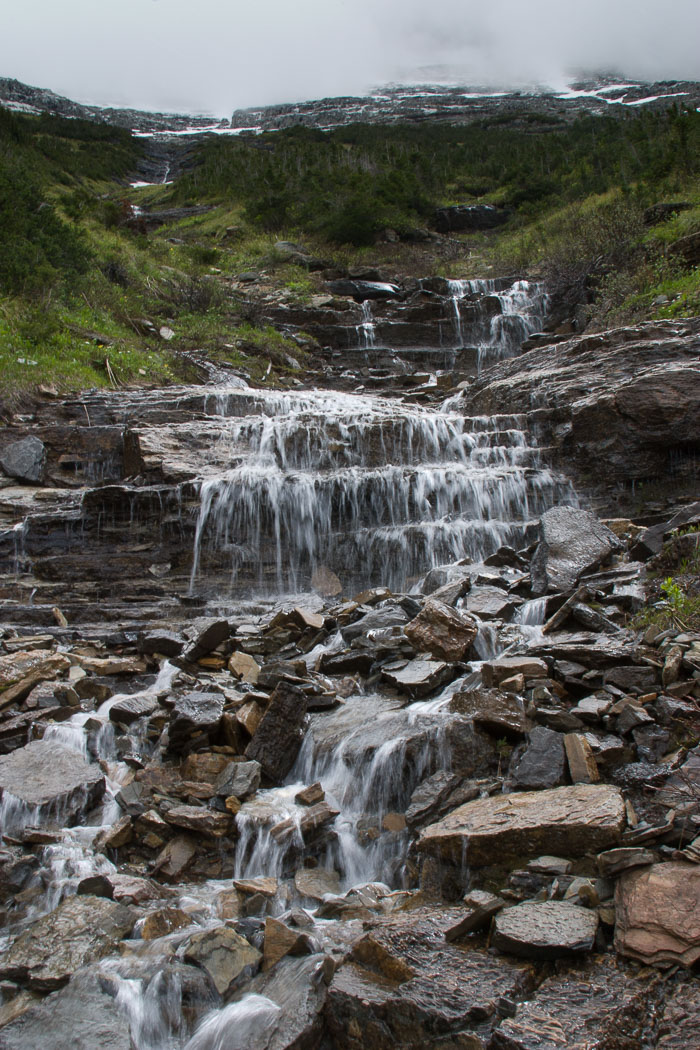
[{"x": 83, "y": 290}]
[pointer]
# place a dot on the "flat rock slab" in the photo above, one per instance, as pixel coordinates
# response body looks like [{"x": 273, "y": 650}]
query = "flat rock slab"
[
  {"x": 545, "y": 930},
  {"x": 45, "y": 776},
  {"x": 572, "y": 542},
  {"x": 597, "y": 1006},
  {"x": 567, "y": 820},
  {"x": 130, "y": 708},
  {"x": 404, "y": 985},
  {"x": 81, "y": 1016},
  {"x": 500, "y": 714},
  {"x": 658, "y": 913},
  {"x": 420, "y": 676},
  {"x": 80, "y": 931}
]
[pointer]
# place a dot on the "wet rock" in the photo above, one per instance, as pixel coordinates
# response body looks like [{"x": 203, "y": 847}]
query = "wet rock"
[
  {"x": 175, "y": 857},
  {"x": 498, "y": 713},
  {"x": 280, "y": 940},
  {"x": 545, "y": 930},
  {"x": 436, "y": 795},
  {"x": 81, "y": 1016},
  {"x": 348, "y": 662},
  {"x": 598, "y": 1005},
  {"x": 658, "y": 913},
  {"x": 442, "y": 632},
  {"x": 119, "y": 834},
  {"x": 614, "y": 861},
  {"x": 463, "y": 217},
  {"x": 583, "y": 768},
  {"x": 204, "y": 766},
  {"x": 680, "y": 1022},
  {"x": 277, "y": 739},
  {"x": 375, "y": 620},
  {"x": 363, "y": 290},
  {"x": 131, "y": 708},
  {"x": 21, "y": 672},
  {"x": 206, "y": 635},
  {"x": 200, "y": 820},
  {"x": 194, "y": 721},
  {"x": 227, "y": 957},
  {"x": 264, "y": 885},
  {"x": 294, "y": 992},
  {"x": 543, "y": 762},
  {"x": 244, "y": 667},
  {"x": 572, "y": 542},
  {"x": 571, "y": 820},
  {"x": 420, "y": 677},
  {"x": 25, "y": 460},
  {"x": 164, "y": 921},
  {"x": 316, "y": 883},
  {"x": 491, "y": 603},
  {"x": 52, "y": 778},
  {"x": 80, "y": 931},
  {"x": 312, "y": 821},
  {"x": 165, "y": 643},
  {"x": 405, "y": 985},
  {"x": 493, "y": 672},
  {"x": 631, "y": 678},
  {"x": 481, "y": 907},
  {"x": 241, "y": 779},
  {"x": 310, "y": 795}
]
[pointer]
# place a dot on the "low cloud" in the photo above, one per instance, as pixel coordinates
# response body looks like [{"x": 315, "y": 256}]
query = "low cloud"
[{"x": 216, "y": 55}]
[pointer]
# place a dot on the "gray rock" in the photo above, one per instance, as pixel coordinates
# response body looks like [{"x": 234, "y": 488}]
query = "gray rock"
[
  {"x": 194, "y": 721},
  {"x": 493, "y": 672},
  {"x": 572, "y": 542},
  {"x": 277, "y": 739},
  {"x": 240, "y": 779},
  {"x": 501, "y": 714},
  {"x": 543, "y": 764},
  {"x": 442, "y": 632},
  {"x": 167, "y": 643},
  {"x": 56, "y": 781},
  {"x": 420, "y": 677},
  {"x": 376, "y": 620},
  {"x": 25, "y": 460},
  {"x": 545, "y": 930},
  {"x": 491, "y": 603},
  {"x": 208, "y": 633},
  {"x": 224, "y": 955},
  {"x": 131, "y": 708},
  {"x": 81, "y": 1016},
  {"x": 80, "y": 931}
]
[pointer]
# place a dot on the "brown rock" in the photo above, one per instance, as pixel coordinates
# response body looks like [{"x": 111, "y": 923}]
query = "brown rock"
[
  {"x": 224, "y": 955},
  {"x": 20, "y": 672},
  {"x": 266, "y": 886},
  {"x": 493, "y": 672},
  {"x": 658, "y": 913},
  {"x": 197, "y": 818},
  {"x": 442, "y": 632},
  {"x": 281, "y": 941},
  {"x": 250, "y": 715},
  {"x": 569, "y": 820},
  {"x": 166, "y": 920},
  {"x": 582, "y": 765},
  {"x": 174, "y": 858},
  {"x": 316, "y": 883},
  {"x": 205, "y": 766},
  {"x": 495, "y": 712},
  {"x": 119, "y": 665},
  {"x": 244, "y": 667},
  {"x": 325, "y": 582},
  {"x": 309, "y": 796}
]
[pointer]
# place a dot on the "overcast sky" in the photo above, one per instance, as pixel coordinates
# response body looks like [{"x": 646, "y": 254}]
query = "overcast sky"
[{"x": 216, "y": 55}]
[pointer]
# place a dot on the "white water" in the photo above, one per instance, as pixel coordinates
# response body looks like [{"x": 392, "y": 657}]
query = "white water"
[{"x": 366, "y": 330}]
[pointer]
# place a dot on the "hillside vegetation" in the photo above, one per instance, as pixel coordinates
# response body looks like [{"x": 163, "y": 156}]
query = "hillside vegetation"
[{"x": 85, "y": 287}]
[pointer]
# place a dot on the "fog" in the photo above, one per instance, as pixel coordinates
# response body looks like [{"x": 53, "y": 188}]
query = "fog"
[{"x": 217, "y": 55}]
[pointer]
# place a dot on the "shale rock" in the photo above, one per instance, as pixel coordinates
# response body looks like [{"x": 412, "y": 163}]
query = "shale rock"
[
  {"x": 420, "y": 676},
  {"x": 277, "y": 739},
  {"x": 544, "y": 762},
  {"x": 80, "y": 931},
  {"x": 572, "y": 542},
  {"x": 498, "y": 713},
  {"x": 598, "y": 1005},
  {"x": 658, "y": 913},
  {"x": 545, "y": 930},
  {"x": 442, "y": 632},
  {"x": 241, "y": 779},
  {"x": 25, "y": 460},
  {"x": 194, "y": 721},
  {"x": 224, "y": 955},
  {"x": 42, "y": 774},
  {"x": 569, "y": 820},
  {"x": 21, "y": 672}
]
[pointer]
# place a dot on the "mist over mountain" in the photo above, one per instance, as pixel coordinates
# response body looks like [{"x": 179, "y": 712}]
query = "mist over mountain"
[{"x": 167, "y": 55}]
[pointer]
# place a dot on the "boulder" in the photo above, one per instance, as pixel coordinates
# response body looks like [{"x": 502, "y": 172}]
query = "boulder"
[
  {"x": 436, "y": 795},
  {"x": 21, "y": 672},
  {"x": 164, "y": 921},
  {"x": 543, "y": 763},
  {"x": 498, "y": 713},
  {"x": 403, "y": 985},
  {"x": 80, "y": 931},
  {"x": 49, "y": 780},
  {"x": 206, "y": 635},
  {"x": 462, "y": 217},
  {"x": 131, "y": 708},
  {"x": 442, "y": 632},
  {"x": 572, "y": 542},
  {"x": 241, "y": 779},
  {"x": 224, "y": 955},
  {"x": 545, "y": 930},
  {"x": 278, "y": 737},
  {"x": 571, "y": 820},
  {"x": 658, "y": 913},
  {"x": 597, "y": 1005},
  {"x": 25, "y": 460},
  {"x": 363, "y": 290},
  {"x": 81, "y": 1016},
  {"x": 420, "y": 676},
  {"x": 280, "y": 940},
  {"x": 493, "y": 672},
  {"x": 194, "y": 721},
  {"x": 202, "y": 821}
]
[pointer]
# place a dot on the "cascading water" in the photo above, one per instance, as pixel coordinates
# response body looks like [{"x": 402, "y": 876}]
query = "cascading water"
[
  {"x": 367, "y": 486},
  {"x": 506, "y": 317},
  {"x": 366, "y": 330}
]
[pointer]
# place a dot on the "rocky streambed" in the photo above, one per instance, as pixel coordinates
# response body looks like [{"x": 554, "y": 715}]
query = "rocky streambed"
[{"x": 326, "y": 721}]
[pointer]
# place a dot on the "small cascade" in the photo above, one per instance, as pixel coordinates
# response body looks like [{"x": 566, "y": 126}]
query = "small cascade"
[
  {"x": 366, "y": 330},
  {"x": 458, "y": 290},
  {"x": 367, "y": 487},
  {"x": 503, "y": 317}
]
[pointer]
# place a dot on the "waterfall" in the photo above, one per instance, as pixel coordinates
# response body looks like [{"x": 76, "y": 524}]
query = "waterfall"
[
  {"x": 520, "y": 310},
  {"x": 366, "y": 330}
]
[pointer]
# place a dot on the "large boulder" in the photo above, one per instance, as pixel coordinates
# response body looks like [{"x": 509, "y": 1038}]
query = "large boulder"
[
  {"x": 44, "y": 780},
  {"x": 545, "y": 929},
  {"x": 462, "y": 217},
  {"x": 569, "y": 821},
  {"x": 25, "y": 460},
  {"x": 442, "y": 632},
  {"x": 572, "y": 542},
  {"x": 658, "y": 913},
  {"x": 277, "y": 739},
  {"x": 80, "y": 931}
]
